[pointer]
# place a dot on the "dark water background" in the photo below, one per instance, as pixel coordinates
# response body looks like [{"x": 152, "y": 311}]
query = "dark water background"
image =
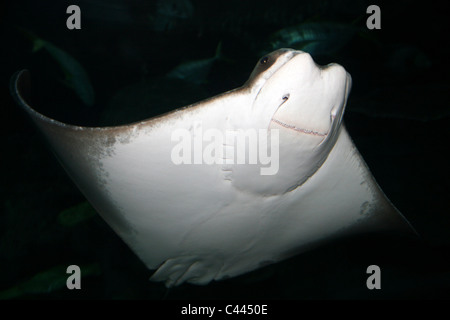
[{"x": 398, "y": 115}]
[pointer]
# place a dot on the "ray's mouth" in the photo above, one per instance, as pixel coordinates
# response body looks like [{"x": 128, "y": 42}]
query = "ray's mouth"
[
  {"x": 295, "y": 128},
  {"x": 336, "y": 115},
  {"x": 301, "y": 130}
]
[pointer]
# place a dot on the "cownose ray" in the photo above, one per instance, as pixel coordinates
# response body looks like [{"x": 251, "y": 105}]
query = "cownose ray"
[{"x": 200, "y": 221}]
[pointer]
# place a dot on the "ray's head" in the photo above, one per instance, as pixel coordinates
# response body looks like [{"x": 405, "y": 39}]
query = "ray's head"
[
  {"x": 293, "y": 93},
  {"x": 304, "y": 103}
]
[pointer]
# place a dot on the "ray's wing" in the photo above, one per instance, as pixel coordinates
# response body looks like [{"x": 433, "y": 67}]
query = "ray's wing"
[{"x": 126, "y": 172}]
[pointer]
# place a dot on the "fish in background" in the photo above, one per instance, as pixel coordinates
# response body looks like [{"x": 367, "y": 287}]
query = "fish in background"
[
  {"x": 51, "y": 280},
  {"x": 196, "y": 71},
  {"x": 110, "y": 13},
  {"x": 152, "y": 96},
  {"x": 171, "y": 14},
  {"x": 75, "y": 76},
  {"x": 316, "y": 38}
]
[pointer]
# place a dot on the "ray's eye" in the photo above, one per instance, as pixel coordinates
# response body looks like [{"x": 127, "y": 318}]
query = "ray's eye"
[{"x": 264, "y": 60}]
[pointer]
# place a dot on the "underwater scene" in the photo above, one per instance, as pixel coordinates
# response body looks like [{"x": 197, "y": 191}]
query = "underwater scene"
[{"x": 98, "y": 63}]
